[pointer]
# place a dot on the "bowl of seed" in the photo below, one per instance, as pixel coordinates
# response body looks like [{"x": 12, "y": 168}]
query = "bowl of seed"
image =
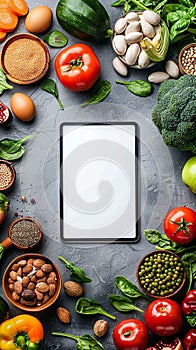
[
  {"x": 187, "y": 59},
  {"x": 161, "y": 274},
  {"x": 32, "y": 282},
  {"x": 7, "y": 175},
  {"x": 29, "y": 54}
]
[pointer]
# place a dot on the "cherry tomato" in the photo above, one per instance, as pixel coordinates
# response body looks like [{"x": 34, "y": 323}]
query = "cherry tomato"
[
  {"x": 180, "y": 225},
  {"x": 164, "y": 317},
  {"x": 77, "y": 67},
  {"x": 130, "y": 334},
  {"x": 189, "y": 341}
]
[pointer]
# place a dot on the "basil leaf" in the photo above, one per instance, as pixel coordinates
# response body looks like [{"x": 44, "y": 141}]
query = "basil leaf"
[
  {"x": 50, "y": 86},
  {"x": 101, "y": 90},
  {"x": 56, "y": 39},
  {"x": 179, "y": 27},
  {"x": 12, "y": 149},
  {"x": 137, "y": 87},
  {"x": 123, "y": 304}
]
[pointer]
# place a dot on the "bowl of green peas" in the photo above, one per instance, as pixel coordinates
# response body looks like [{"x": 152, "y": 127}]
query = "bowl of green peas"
[{"x": 161, "y": 274}]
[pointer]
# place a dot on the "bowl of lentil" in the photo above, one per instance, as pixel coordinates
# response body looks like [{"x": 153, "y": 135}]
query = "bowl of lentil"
[
  {"x": 161, "y": 274},
  {"x": 31, "y": 282},
  {"x": 29, "y": 54},
  {"x": 187, "y": 59},
  {"x": 7, "y": 175}
]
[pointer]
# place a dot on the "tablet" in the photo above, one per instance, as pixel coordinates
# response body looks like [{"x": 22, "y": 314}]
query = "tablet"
[{"x": 99, "y": 182}]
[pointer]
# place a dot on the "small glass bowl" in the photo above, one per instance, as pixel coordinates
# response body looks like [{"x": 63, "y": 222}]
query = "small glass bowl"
[
  {"x": 33, "y": 68},
  {"x": 7, "y": 175},
  {"x": 181, "y": 59},
  {"x": 162, "y": 277}
]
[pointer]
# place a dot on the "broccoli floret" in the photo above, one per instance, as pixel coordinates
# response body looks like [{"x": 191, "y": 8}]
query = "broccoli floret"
[{"x": 175, "y": 113}]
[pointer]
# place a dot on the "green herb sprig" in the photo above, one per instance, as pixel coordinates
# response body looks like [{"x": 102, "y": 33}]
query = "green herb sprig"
[{"x": 84, "y": 342}]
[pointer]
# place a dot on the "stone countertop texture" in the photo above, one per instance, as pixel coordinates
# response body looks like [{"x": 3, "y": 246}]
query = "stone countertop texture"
[{"x": 38, "y": 179}]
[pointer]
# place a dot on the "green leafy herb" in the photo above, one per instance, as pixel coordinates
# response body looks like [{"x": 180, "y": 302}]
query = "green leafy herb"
[
  {"x": 56, "y": 39},
  {"x": 128, "y": 288},
  {"x": 86, "y": 306},
  {"x": 76, "y": 273},
  {"x": 12, "y": 149},
  {"x": 3, "y": 83},
  {"x": 189, "y": 260},
  {"x": 50, "y": 86},
  {"x": 99, "y": 93},
  {"x": 137, "y": 87},
  {"x": 191, "y": 319},
  {"x": 84, "y": 342},
  {"x": 123, "y": 304}
]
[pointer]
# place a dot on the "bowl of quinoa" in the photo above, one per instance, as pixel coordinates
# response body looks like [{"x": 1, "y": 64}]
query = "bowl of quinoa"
[
  {"x": 25, "y": 58},
  {"x": 7, "y": 175}
]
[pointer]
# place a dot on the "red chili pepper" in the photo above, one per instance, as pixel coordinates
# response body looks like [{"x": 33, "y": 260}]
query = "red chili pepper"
[
  {"x": 189, "y": 341},
  {"x": 189, "y": 307}
]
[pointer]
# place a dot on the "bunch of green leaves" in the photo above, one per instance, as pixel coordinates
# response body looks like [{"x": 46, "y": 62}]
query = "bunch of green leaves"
[
  {"x": 76, "y": 273},
  {"x": 186, "y": 253},
  {"x": 12, "y": 149},
  {"x": 84, "y": 342},
  {"x": 129, "y": 5}
]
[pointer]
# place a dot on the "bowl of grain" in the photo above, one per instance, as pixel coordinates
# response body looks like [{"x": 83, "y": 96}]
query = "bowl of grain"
[
  {"x": 186, "y": 59},
  {"x": 7, "y": 175},
  {"x": 25, "y": 58},
  {"x": 32, "y": 282}
]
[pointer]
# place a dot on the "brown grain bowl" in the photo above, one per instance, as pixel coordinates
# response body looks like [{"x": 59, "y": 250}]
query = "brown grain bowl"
[
  {"x": 181, "y": 67},
  {"x": 13, "y": 175},
  {"x": 17, "y": 304},
  {"x": 33, "y": 39},
  {"x": 169, "y": 295}
]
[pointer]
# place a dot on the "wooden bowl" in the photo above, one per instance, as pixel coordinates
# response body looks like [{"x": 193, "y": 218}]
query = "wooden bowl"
[
  {"x": 32, "y": 62},
  {"x": 11, "y": 176},
  {"x": 17, "y": 298},
  {"x": 181, "y": 64},
  {"x": 161, "y": 286}
]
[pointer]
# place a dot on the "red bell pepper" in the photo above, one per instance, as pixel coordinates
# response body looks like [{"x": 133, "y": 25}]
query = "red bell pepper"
[
  {"x": 189, "y": 341},
  {"x": 189, "y": 307}
]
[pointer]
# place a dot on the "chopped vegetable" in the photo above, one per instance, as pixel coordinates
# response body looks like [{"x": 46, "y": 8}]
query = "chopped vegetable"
[
  {"x": 77, "y": 274},
  {"x": 85, "y": 341},
  {"x": 174, "y": 113},
  {"x": 137, "y": 87},
  {"x": 3, "y": 83},
  {"x": 86, "y": 306},
  {"x": 100, "y": 91},
  {"x": 123, "y": 304},
  {"x": 8, "y": 20},
  {"x": 2, "y": 35},
  {"x": 189, "y": 307},
  {"x": 50, "y": 86},
  {"x": 56, "y": 39},
  {"x": 12, "y": 149},
  {"x": 4, "y": 207},
  {"x": 19, "y": 7}
]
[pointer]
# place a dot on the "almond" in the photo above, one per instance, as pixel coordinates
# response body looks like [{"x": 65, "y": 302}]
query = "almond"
[
  {"x": 73, "y": 289},
  {"x": 38, "y": 263},
  {"x": 42, "y": 287},
  {"x": 100, "y": 328},
  {"x": 63, "y": 315},
  {"x": 18, "y": 287},
  {"x": 46, "y": 268},
  {"x": 27, "y": 269}
]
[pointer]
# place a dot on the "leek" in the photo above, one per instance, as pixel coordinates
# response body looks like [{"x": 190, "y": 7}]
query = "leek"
[{"x": 157, "y": 48}]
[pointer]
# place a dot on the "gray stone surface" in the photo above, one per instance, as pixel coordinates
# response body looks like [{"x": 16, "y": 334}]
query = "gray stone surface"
[{"x": 38, "y": 177}]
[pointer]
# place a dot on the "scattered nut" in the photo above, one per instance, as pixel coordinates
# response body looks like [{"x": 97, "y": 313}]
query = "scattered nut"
[
  {"x": 100, "y": 328},
  {"x": 73, "y": 289},
  {"x": 158, "y": 77},
  {"x": 172, "y": 69},
  {"x": 120, "y": 67},
  {"x": 63, "y": 315}
]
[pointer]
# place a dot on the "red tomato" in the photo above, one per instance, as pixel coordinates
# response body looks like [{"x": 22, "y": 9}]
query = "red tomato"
[
  {"x": 130, "y": 334},
  {"x": 163, "y": 317},
  {"x": 189, "y": 341},
  {"x": 180, "y": 225},
  {"x": 77, "y": 67}
]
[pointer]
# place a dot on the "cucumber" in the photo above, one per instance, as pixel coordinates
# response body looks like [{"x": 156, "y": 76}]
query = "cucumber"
[{"x": 87, "y": 20}]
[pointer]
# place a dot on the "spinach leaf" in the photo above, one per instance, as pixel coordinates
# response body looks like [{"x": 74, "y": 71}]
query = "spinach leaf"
[
  {"x": 3, "y": 83},
  {"x": 86, "y": 306},
  {"x": 77, "y": 274},
  {"x": 123, "y": 304},
  {"x": 128, "y": 288},
  {"x": 12, "y": 149},
  {"x": 100, "y": 92},
  {"x": 84, "y": 342},
  {"x": 56, "y": 39},
  {"x": 50, "y": 86},
  {"x": 179, "y": 27},
  {"x": 137, "y": 87},
  {"x": 189, "y": 260}
]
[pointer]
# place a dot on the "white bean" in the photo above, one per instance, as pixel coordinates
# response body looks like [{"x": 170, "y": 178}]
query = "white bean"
[
  {"x": 172, "y": 69},
  {"x": 132, "y": 54},
  {"x": 133, "y": 37},
  {"x": 158, "y": 77},
  {"x": 120, "y": 67},
  {"x": 151, "y": 17},
  {"x": 120, "y": 25}
]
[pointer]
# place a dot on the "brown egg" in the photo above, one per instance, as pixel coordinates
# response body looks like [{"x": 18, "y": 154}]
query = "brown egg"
[
  {"x": 38, "y": 19},
  {"x": 22, "y": 106}
]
